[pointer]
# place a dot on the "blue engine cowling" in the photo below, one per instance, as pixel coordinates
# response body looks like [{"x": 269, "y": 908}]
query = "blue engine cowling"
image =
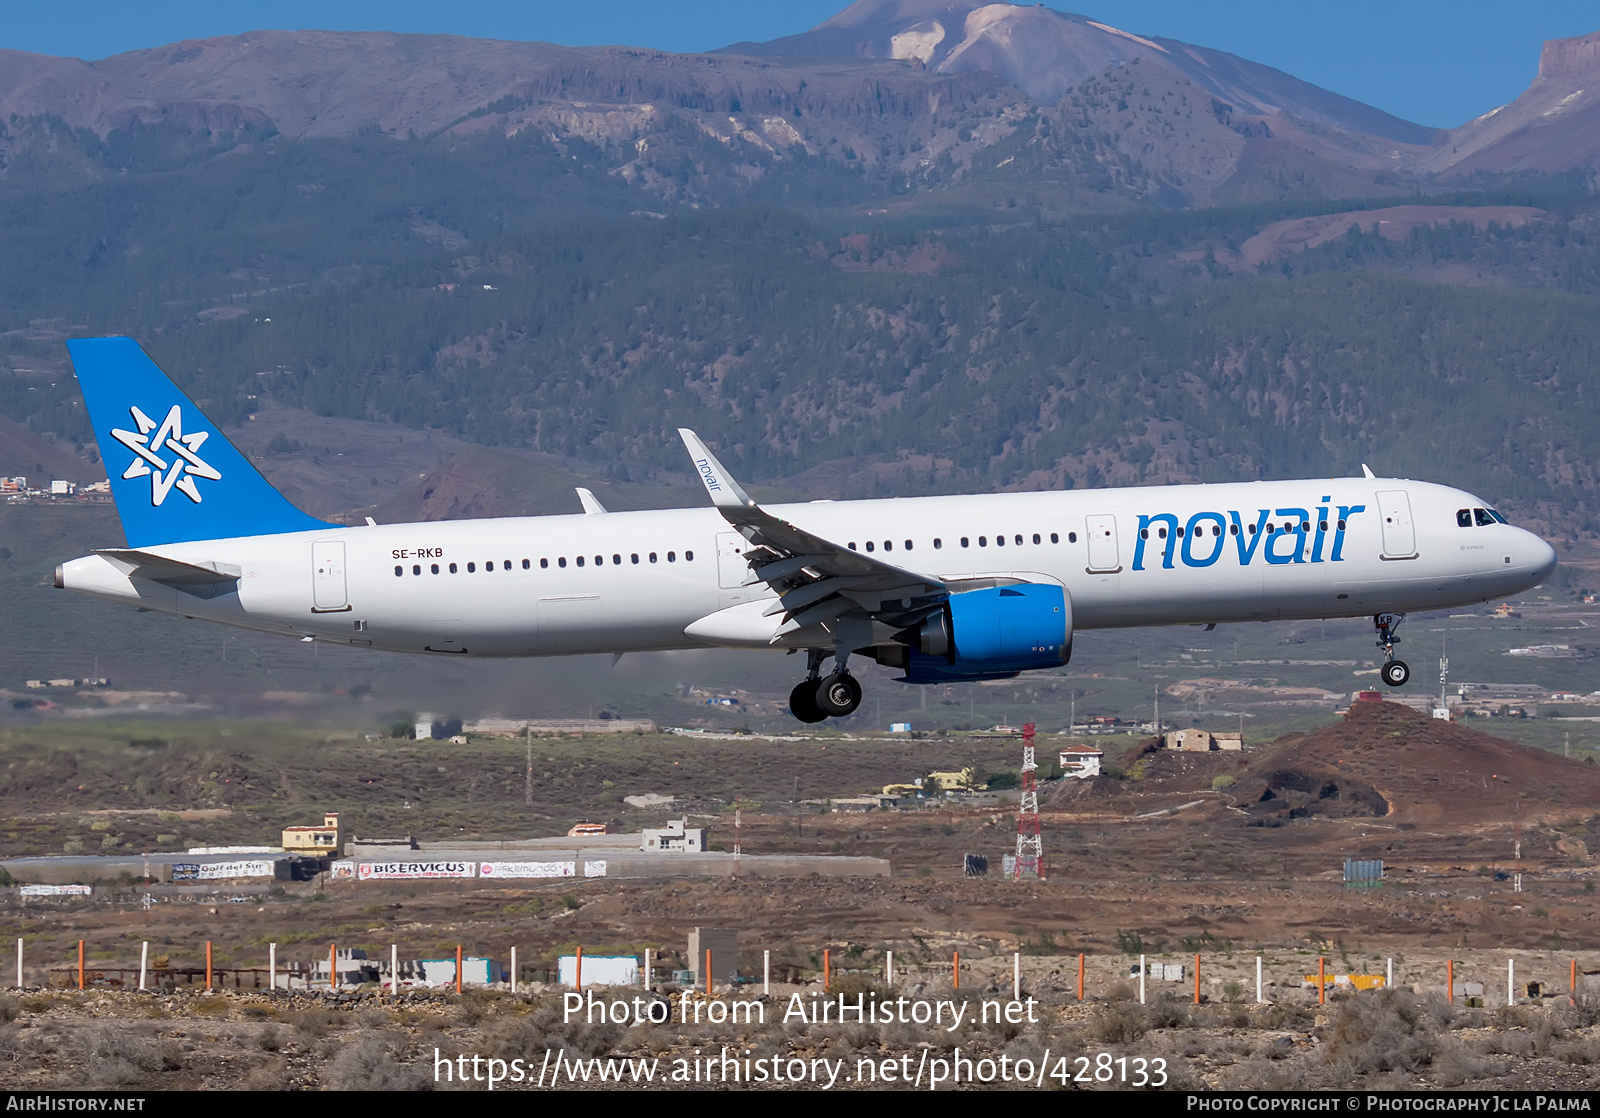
[{"x": 991, "y": 634}]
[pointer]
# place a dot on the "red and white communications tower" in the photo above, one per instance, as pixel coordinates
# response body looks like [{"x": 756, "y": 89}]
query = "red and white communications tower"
[{"x": 1030, "y": 846}]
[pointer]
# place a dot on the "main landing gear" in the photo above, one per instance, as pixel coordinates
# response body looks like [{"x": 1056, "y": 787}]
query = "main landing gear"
[
  {"x": 1394, "y": 672},
  {"x": 818, "y": 696}
]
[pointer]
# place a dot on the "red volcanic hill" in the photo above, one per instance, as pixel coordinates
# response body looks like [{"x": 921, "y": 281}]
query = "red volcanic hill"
[{"x": 1384, "y": 759}]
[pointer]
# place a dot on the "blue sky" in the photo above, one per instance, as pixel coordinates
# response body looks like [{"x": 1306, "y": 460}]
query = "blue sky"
[{"x": 1435, "y": 63}]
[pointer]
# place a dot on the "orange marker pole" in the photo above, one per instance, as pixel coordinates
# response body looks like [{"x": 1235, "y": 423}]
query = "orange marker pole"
[
  {"x": 1197, "y": 980},
  {"x": 577, "y": 972},
  {"x": 955, "y": 969},
  {"x": 1080, "y": 977},
  {"x": 708, "y": 972},
  {"x": 80, "y": 964},
  {"x": 1450, "y": 980},
  {"x": 825, "y": 974},
  {"x": 1322, "y": 981},
  {"x": 458, "y": 968},
  {"x": 333, "y": 966},
  {"x": 1572, "y": 982},
  {"x": 208, "y": 966}
]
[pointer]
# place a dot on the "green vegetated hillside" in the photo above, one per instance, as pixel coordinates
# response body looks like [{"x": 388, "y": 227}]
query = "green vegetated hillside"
[{"x": 843, "y": 333}]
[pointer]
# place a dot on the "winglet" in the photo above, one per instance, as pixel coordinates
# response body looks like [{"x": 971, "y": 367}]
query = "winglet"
[
  {"x": 591, "y": 503},
  {"x": 725, "y": 492},
  {"x": 1367, "y": 471}
]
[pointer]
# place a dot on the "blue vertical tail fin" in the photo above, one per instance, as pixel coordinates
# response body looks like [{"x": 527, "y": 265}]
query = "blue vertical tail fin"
[{"x": 174, "y": 475}]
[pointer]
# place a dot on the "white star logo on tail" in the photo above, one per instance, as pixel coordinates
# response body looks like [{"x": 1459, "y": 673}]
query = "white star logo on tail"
[{"x": 185, "y": 466}]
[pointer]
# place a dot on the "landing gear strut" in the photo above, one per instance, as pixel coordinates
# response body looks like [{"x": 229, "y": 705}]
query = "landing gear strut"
[
  {"x": 817, "y": 697},
  {"x": 1394, "y": 672}
]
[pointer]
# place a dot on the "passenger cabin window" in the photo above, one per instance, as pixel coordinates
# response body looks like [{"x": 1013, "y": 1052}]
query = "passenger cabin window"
[
  {"x": 416, "y": 569},
  {"x": 869, "y": 545},
  {"x": 472, "y": 568},
  {"x": 908, "y": 545},
  {"x": 435, "y": 568},
  {"x": 452, "y": 568},
  {"x": 398, "y": 571},
  {"x": 938, "y": 544},
  {"x": 580, "y": 560},
  {"x": 562, "y": 561},
  {"x": 688, "y": 557},
  {"x": 652, "y": 557},
  {"x": 672, "y": 556}
]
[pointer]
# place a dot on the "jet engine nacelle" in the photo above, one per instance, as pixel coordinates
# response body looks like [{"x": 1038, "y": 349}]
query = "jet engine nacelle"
[{"x": 992, "y": 633}]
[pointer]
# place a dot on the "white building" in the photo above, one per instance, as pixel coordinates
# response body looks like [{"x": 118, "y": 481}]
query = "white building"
[
  {"x": 674, "y": 838},
  {"x": 1081, "y": 764}
]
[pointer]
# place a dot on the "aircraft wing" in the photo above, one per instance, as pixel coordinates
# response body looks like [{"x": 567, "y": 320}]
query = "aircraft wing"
[{"x": 816, "y": 579}]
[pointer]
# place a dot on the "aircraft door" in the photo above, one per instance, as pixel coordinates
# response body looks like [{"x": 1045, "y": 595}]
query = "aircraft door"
[
  {"x": 732, "y": 570},
  {"x": 735, "y": 583},
  {"x": 1101, "y": 531},
  {"x": 328, "y": 591},
  {"x": 1399, "y": 534}
]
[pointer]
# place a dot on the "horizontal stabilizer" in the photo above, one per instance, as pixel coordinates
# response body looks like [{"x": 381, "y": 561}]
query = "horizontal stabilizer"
[{"x": 158, "y": 568}]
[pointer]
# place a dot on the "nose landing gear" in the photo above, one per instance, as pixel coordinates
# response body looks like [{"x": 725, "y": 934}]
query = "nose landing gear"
[{"x": 1394, "y": 672}]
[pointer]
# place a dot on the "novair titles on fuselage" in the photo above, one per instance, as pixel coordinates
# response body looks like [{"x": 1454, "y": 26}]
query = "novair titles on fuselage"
[{"x": 1280, "y": 536}]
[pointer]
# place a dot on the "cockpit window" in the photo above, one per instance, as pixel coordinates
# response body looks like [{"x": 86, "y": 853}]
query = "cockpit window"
[
  {"x": 1500, "y": 519},
  {"x": 1483, "y": 516},
  {"x": 1464, "y": 518}
]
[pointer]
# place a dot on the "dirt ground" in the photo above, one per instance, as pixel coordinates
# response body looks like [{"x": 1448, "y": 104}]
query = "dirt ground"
[{"x": 1224, "y": 857}]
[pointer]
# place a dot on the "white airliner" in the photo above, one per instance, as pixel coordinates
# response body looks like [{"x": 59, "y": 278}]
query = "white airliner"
[{"x": 943, "y": 588}]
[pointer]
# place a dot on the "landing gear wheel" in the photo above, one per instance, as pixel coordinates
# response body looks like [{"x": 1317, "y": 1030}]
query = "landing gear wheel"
[
  {"x": 1396, "y": 672},
  {"x": 803, "y": 702},
  {"x": 838, "y": 695}
]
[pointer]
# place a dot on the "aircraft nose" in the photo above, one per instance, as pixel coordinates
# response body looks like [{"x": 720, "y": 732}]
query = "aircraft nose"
[{"x": 1541, "y": 557}]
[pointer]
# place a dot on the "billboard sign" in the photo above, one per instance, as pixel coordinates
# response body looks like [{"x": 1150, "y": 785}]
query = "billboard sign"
[
  {"x": 523, "y": 870},
  {"x": 414, "y": 871},
  {"x": 215, "y": 871}
]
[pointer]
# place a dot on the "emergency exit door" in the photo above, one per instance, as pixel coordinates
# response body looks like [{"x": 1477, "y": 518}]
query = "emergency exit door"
[{"x": 1103, "y": 553}]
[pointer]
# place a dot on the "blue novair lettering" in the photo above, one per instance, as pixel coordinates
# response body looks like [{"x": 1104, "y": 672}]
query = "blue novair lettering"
[
  {"x": 1296, "y": 537},
  {"x": 1145, "y": 523},
  {"x": 708, "y": 474},
  {"x": 1192, "y": 530},
  {"x": 1345, "y": 513},
  {"x": 1297, "y": 531},
  {"x": 1241, "y": 532}
]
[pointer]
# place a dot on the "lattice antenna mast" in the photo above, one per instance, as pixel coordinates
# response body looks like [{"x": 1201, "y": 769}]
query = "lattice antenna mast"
[{"x": 1030, "y": 845}]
